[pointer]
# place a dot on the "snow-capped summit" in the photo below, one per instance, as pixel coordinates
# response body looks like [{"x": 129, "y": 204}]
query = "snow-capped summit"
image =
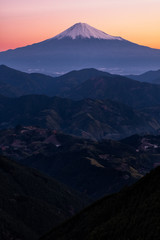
[{"x": 83, "y": 30}]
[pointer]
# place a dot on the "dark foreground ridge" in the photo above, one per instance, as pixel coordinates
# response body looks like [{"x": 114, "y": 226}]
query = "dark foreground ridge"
[
  {"x": 130, "y": 214},
  {"x": 31, "y": 203}
]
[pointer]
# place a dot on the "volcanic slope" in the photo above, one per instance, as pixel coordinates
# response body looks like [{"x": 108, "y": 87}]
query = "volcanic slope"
[{"x": 82, "y": 46}]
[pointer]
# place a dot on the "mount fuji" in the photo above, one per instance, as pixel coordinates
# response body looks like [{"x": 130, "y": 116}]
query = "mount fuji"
[
  {"x": 83, "y": 30},
  {"x": 83, "y": 46}
]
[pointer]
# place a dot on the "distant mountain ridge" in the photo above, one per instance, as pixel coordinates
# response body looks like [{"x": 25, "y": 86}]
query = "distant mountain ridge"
[
  {"x": 118, "y": 88},
  {"x": 150, "y": 76},
  {"x": 14, "y": 83},
  {"x": 84, "y": 47},
  {"x": 85, "y": 83}
]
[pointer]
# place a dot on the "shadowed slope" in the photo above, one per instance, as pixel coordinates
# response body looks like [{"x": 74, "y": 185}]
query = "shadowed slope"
[
  {"x": 30, "y": 203},
  {"x": 131, "y": 214}
]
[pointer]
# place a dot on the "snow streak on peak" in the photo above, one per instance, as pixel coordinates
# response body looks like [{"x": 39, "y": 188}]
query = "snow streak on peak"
[{"x": 83, "y": 30}]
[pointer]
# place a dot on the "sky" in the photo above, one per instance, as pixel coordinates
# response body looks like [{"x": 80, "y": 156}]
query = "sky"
[{"x": 23, "y": 22}]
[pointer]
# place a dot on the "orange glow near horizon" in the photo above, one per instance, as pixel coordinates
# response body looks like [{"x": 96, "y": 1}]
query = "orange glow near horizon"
[{"x": 24, "y": 22}]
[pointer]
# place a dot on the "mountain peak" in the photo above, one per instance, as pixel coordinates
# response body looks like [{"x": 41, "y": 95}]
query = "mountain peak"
[{"x": 83, "y": 30}]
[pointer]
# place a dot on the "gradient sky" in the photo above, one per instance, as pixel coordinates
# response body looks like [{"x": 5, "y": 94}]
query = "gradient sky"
[{"x": 24, "y": 22}]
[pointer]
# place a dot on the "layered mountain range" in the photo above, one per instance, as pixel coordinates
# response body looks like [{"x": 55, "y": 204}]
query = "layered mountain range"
[
  {"x": 131, "y": 106},
  {"x": 82, "y": 46},
  {"x": 76, "y": 128},
  {"x": 94, "y": 119},
  {"x": 91, "y": 167}
]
